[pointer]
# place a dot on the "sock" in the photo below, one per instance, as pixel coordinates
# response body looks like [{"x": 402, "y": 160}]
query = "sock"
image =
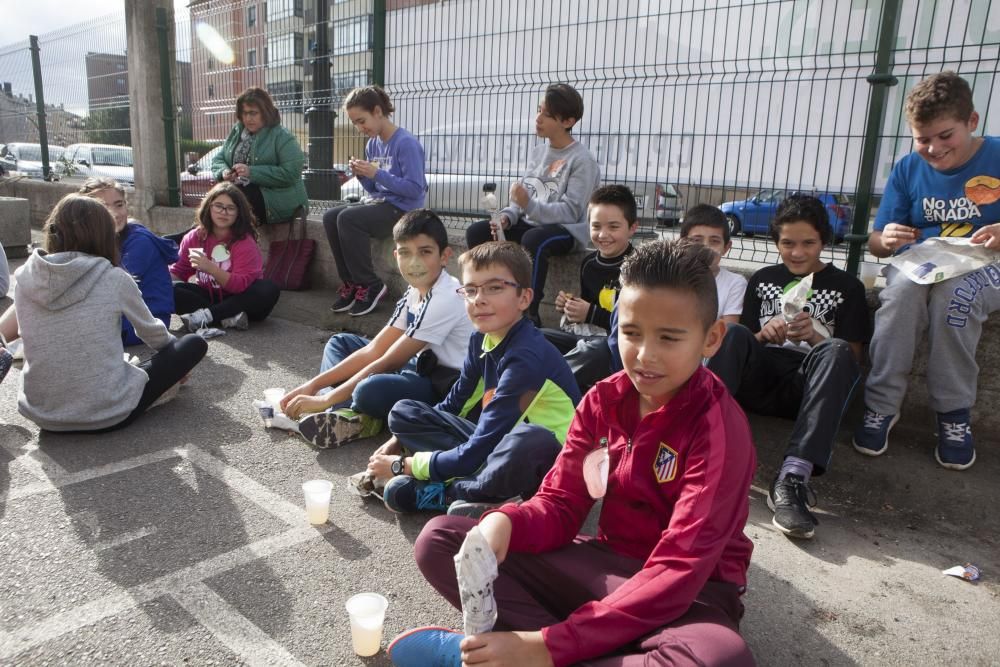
[{"x": 793, "y": 465}]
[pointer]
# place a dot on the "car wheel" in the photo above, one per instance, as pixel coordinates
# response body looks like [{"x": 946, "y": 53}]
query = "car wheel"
[{"x": 734, "y": 224}]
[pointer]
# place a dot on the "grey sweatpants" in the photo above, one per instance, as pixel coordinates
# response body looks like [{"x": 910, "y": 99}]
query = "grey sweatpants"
[
  {"x": 952, "y": 312},
  {"x": 350, "y": 230}
]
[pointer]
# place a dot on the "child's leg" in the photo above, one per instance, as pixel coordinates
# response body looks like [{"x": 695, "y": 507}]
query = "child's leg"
[
  {"x": 421, "y": 428},
  {"x": 590, "y": 361},
  {"x": 189, "y": 297},
  {"x": 748, "y": 371},
  {"x": 478, "y": 233},
  {"x": 515, "y": 467},
  {"x": 356, "y": 227},
  {"x": 899, "y": 322},
  {"x": 376, "y": 395},
  {"x": 8, "y": 325},
  {"x": 830, "y": 374},
  {"x": 541, "y": 243},
  {"x": 958, "y": 307},
  {"x": 332, "y": 237},
  {"x": 257, "y": 301},
  {"x": 339, "y": 347},
  {"x": 563, "y": 341}
]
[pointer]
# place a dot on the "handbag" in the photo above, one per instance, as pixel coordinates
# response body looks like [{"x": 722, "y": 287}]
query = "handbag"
[{"x": 288, "y": 260}]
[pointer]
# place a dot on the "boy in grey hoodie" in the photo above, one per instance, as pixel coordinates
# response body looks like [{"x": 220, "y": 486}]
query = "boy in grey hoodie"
[{"x": 548, "y": 207}]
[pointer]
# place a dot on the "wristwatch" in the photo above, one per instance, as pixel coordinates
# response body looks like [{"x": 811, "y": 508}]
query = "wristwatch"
[{"x": 398, "y": 466}]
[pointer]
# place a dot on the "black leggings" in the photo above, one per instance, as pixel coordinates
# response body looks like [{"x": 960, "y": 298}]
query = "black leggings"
[
  {"x": 256, "y": 199},
  {"x": 256, "y": 301},
  {"x": 165, "y": 369}
]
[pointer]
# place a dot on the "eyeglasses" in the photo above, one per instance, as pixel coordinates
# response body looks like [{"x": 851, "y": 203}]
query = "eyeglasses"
[
  {"x": 224, "y": 210},
  {"x": 488, "y": 289}
]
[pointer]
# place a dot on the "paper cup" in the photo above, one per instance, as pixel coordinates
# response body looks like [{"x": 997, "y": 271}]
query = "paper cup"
[
  {"x": 869, "y": 272},
  {"x": 317, "y": 493},
  {"x": 367, "y": 612}
]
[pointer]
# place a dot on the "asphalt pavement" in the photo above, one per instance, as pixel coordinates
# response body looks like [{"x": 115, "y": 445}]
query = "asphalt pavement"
[{"x": 182, "y": 539}]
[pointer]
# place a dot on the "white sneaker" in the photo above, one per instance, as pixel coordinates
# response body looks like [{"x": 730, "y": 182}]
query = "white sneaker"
[
  {"x": 239, "y": 321},
  {"x": 199, "y": 319}
]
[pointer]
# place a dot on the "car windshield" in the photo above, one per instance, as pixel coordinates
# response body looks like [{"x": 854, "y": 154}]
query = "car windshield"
[
  {"x": 113, "y": 157},
  {"x": 31, "y": 153},
  {"x": 206, "y": 161}
]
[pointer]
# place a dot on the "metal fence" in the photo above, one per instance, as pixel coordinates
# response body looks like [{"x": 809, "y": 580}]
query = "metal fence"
[{"x": 686, "y": 102}]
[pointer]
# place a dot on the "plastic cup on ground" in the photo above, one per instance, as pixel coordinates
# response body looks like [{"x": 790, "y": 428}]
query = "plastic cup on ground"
[
  {"x": 367, "y": 612},
  {"x": 317, "y": 493},
  {"x": 869, "y": 272}
]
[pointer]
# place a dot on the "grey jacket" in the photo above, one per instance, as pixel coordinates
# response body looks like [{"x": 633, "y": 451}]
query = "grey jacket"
[
  {"x": 4, "y": 273},
  {"x": 69, "y": 309}
]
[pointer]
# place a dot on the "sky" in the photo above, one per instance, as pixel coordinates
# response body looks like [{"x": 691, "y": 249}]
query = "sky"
[{"x": 62, "y": 49}]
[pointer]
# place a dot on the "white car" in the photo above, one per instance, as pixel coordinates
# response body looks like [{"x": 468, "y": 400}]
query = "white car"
[
  {"x": 27, "y": 159},
  {"x": 88, "y": 160}
]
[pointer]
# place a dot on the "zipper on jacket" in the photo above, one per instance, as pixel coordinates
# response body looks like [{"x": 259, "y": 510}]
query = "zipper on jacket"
[
  {"x": 628, "y": 446},
  {"x": 602, "y": 443}
]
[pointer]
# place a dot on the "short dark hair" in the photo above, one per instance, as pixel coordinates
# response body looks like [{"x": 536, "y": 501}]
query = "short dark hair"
[
  {"x": 511, "y": 256},
  {"x": 681, "y": 265},
  {"x": 246, "y": 223},
  {"x": 802, "y": 208},
  {"x": 368, "y": 98},
  {"x": 79, "y": 223},
  {"x": 944, "y": 94},
  {"x": 259, "y": 98},
  {"x": 563, "y": 102},
  {"x": 616, "y": 195},
  {"x": 705, "y": 215},
  {"x": 420, "y": 221}
]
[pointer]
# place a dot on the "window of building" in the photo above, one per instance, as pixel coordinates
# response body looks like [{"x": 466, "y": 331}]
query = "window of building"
[
  {"x": 211, "y": 90},
  {"x": 285, "y": 49},
  {"x": 265, "y": 55},
  {"x": 251, "y": 58},
  {"x": 286, "y": 94},
  {"x": 283, "y": 9},
  {"x": 251, "y": 16},
  {"x": 344, "y": 82},
  {"x": 351, "y": 35}
]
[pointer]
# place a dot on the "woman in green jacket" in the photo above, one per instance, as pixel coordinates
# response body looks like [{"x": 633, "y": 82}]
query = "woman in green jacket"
[{"x": 263, "y": 159}]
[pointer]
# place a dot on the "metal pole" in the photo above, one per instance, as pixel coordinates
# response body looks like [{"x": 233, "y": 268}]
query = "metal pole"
[
  {"x": 378, "y": 42},
  {"x": 169, "y": 112},
  {"x": 880, "y": 79},
  {"x": 43, "y": 131}
]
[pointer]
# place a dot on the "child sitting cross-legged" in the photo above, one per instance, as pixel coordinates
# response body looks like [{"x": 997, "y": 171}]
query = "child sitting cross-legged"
[
  {"x": 360, "y": 379},
  {"x": 661, "y": 582},
  {"x": 513, "y": 379}
]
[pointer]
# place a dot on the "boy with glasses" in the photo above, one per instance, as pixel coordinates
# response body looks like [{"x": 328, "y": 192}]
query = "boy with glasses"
[{"x": 497, "y": 432}]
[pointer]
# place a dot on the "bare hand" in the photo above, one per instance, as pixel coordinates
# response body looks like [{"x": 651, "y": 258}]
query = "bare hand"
[
  {"x": 298, "y": 391},
  {"x": 303, "y": 405},
  {"x": 800, "y": 328},
  {"x": 576, "y": 309},
  {"x": 989, "y": 236},
  {"x": 228, "y": 175},
  {"x": 391, "y": 447},
  {"x": 379, "y": 466},
  {"x": 496, "y": 529},
  {"x": 242, "y": 170},
  {"x": 895, "y": 236},
  {"x": 774, "y": 331},
  {"x": 506, "y": 649},
  {"x": 201, "y": 262},
  {"x": 561, "y": 300},
  {"x": 520, "y": 195},
  {"x": 364, "y": 168},
  {"x": 501, "y": 220}
]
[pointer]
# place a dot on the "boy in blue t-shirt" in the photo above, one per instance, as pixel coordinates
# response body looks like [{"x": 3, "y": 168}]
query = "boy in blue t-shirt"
[{"x": 949, "y": 186}]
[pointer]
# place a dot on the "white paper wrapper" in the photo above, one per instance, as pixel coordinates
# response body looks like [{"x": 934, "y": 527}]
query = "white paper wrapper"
[
  {"x": 476, "y": 567},
  {"x": 939, "y": 258},
  {"x": 794, "y": 300},
  {"x": 270, "y": 411}
]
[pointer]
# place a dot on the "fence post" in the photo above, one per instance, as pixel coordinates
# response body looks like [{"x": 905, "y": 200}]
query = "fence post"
[
  {"x": 378, "y": 42},
  {"x": 880, "y": 79},
  {"x": 43, "y": 130},
  {"x": 169, "y": 111}
]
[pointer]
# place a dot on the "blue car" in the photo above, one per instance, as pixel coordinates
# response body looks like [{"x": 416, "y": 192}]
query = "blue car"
[{"x": 754, "y": 215}]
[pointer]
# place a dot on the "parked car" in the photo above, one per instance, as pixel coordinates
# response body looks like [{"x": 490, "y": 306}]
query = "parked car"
[
  {"x": 197, "y": 179},
  {"x": 668, "y": 209},
  {"x": 86, "y": 160},
  {"x": 754, "y": 215},
  {"x": 27, "y": 159}
]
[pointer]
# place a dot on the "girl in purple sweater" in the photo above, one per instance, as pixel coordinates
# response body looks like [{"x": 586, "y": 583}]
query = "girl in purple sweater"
[{"x": 221, "y": 266}]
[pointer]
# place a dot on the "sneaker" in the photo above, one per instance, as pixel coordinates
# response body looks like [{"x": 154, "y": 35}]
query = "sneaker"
[
  {"x": 403, "y": 494},
  {"x": 345, "y": 298},
  {"x": 362, "y": 484},
  {"x": 872, "y": 437},
  {"x": 197, "y": 320},
  {"x": 474, "y": 510},
  {"x": 955, "y": 449},
  {"x": 6, "y": 361},
  {"x": 366, "y": 298},
  {"x": 790, "y": 500},
  {"x": 332, "y": 429},
  {"x": 239, "y": 321},
  {"x": 426, "y": 647}
]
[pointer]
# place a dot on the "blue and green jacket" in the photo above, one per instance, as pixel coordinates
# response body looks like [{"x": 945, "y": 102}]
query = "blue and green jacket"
[{"x": 521, "y": 377}]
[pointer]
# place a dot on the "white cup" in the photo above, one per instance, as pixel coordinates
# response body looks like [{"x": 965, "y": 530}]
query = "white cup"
[
  {"x": 367, "y": 612},
  {"x": 317, "y": 493},
  {"x": 869, "y": 272}
]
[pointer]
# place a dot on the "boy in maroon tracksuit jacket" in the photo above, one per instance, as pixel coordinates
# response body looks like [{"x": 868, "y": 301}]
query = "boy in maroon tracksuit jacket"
[{"x": 661, "y": 582}]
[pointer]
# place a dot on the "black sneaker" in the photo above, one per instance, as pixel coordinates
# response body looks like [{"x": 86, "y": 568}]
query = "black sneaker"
[
  {"x": 366, "y": 298},
  {"x": 790, "y": 500},
  {"x": 345, "y": 298}
]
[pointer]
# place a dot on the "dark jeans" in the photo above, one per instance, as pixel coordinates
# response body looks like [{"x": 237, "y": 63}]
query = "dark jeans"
[
  {"x": 350, "y": 229},
  {"x": 165, "y": 369},
  {"x": 541, "y": 243},
  {"x": 534, "y": 591},
  {"x": 256, "y": 301},
  {"x": 814, "y": 388},
  {"x": 515, "y": 467},
  {"x": 256, "y": 199}
]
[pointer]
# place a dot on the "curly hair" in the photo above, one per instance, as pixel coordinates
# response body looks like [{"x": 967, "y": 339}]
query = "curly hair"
[{"x": 945, "y": 94}]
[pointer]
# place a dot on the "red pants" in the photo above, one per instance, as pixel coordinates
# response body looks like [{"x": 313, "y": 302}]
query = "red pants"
[{"x": 537, "y": 590}]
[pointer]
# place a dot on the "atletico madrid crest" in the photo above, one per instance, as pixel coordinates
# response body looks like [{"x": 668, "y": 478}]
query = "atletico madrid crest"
[{"x": 665, "y": 466}]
